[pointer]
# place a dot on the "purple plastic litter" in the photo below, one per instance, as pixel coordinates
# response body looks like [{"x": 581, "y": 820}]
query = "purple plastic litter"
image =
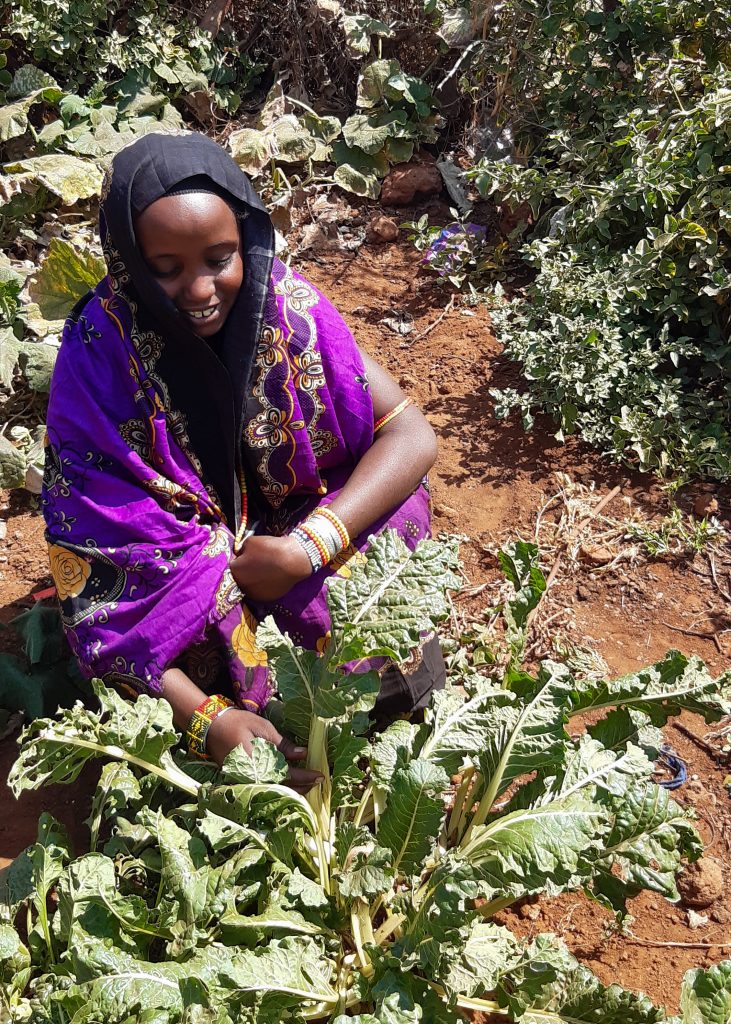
[{"x": 442, "y": 241}]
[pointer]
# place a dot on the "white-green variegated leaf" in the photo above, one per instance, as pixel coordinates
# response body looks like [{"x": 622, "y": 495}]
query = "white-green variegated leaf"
[
  {"x": 413, "y": 814},
  {"x": 387, "y": 604},
  {"x": 373, "y": 82},
  {"x": 537, "y": 849},
  {"x": 15, "y": 964},
  {"x": 366, "y": 873},
  {"x": 69, "y": 177},
  {"x": 706, "y": 995},
  {"x": 291, "y": 141},
  {"x": 549, "y": 986},
  {"x": 13, "y": 464},
  {"x": 673, "y": 684}
]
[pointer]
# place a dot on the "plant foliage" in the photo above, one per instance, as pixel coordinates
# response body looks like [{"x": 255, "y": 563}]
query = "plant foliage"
[{"x": 225, "y": 896}]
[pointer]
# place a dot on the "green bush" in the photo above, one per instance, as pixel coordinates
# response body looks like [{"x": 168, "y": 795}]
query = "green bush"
[{"x": 621, "y": 122}]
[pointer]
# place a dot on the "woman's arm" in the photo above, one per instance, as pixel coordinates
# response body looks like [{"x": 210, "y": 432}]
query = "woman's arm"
[
  {"x": 235, "y": 728},
  {"x": 402, "y": 453}
]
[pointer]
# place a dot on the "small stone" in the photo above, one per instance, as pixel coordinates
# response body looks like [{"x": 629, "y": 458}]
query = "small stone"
[
  {"x": 702, "y": 883},
  {"x": 445, "y": 510},
  {"x": 530, "y": 911},
  {"x": 705, "y": 505},
  {"x": 382, "y": 229},
  {"x": 721, "y": 915},
  {"x": 696, "y": 920},
  {"x": 406, "y": 380},
  {"x": 17, "y": 535},
  {"x": 3, "y": 529},
  {"x": 595, "y": 555},
  {"x": 583, "y": 593}
]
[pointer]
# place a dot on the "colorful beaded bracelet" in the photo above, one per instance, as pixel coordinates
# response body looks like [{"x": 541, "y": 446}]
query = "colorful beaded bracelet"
[
  {"x": 325, "y": 510},
  {"x": 201, "y": 720}
]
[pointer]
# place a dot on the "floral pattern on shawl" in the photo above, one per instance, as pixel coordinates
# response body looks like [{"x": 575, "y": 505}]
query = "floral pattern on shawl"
[{"x": 140, "y": 552}]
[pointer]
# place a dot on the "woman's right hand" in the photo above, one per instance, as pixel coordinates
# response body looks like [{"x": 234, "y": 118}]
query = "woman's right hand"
[{"x": 239, "y": 728}]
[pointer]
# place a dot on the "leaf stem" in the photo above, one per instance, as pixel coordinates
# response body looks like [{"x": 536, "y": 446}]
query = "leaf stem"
[{"x": 171, "y": 773}]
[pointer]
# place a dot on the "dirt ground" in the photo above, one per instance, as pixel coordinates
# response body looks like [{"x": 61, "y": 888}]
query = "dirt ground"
[{"x": 489, "y": 484}]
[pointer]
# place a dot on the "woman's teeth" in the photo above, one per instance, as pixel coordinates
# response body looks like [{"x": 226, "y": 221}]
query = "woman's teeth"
[{"x": 202, "y": 314}]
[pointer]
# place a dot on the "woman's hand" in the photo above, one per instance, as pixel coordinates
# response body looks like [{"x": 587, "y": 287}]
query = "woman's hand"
[
  {"x": 268, "y": 567},
  {"x": 239, "y": 728}
]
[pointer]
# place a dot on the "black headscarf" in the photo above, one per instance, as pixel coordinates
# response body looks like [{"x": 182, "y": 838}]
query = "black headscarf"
[{"x": 209, "y": 387}]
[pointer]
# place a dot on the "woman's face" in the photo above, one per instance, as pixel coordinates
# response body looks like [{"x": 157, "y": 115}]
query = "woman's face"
[{"x": 191, "y": 246}]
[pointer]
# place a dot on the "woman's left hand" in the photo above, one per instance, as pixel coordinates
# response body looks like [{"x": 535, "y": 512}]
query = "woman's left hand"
[{"x": 268, "y": 567}]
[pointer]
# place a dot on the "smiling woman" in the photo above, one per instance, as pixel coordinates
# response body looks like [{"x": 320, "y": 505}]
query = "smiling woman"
[{"x": 218, "y": 448}]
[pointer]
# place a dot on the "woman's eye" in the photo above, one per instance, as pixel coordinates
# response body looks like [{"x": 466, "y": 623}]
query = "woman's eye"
[
  {"x": 162, "y": 274},
  {"x": 223, "y": 262}
]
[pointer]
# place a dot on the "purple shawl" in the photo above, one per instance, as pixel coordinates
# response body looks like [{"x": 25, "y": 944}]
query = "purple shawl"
[{"x": 139, "y": 542}]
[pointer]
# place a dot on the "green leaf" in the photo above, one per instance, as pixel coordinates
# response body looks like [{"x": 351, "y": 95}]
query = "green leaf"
[
  {"x": 116, "y": 791},
  {"x": 390, "y": 602},
  {"x": 10, "y": 349},
  {"x": 14, "y": 116},
  {"x": 706, "y": 995},
  {"x": 55, "y": 750},
  {"x": 410, "y": 824},
  {"x": 64, "y": 276},
  {"x": 38, "y": 361},
  {"x": 458, "y": 725},
  {"x": 358, "y": 30},
  {"x": 548, "y": 986},
  {"x": 373, "y": 81},
  {"x": 12, "y": 464},
  {"x": 660, "y": 691},
  {"x": 650, "y": 837},
  {"x": 367, "y": 873},
  {"x": 15, "y": 964},
  {"x": 361, "y": 130},
  {"x": 297, "y": 672},
  {"x": 251, "y": 149},
  {"x": 390, "y": 750},
  {"x": 357, "y": 182},
  {"x": 529, "y": 851},
  {"x": 68, "y": 177},
  {"x": 41, "y": 630},
  {"x": 264, "y": 764},
  {"x": 292, "y": 143}
]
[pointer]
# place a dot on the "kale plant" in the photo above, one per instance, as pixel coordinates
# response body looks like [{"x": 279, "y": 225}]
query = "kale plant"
[{"x": 226, "y": 896}]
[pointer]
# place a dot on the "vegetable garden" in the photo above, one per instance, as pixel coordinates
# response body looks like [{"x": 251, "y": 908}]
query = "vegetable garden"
[{"x": 588, "y": 141}]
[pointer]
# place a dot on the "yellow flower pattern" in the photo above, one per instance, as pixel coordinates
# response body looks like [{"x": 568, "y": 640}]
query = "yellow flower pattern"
[
  {"x": 70, "y": 572},
  {"x": 343, "y": 563},
  {"x": 243, "y": 641}
]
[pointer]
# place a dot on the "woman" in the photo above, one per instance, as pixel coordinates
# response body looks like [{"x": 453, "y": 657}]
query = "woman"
[{"x": 215, "y": 438}]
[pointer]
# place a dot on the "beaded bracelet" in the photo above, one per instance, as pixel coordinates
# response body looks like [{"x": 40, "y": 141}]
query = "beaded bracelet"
[
  {"x": 201, "y": 720},
  {"x": 323, "y": 535},
  {"x": 327, "y": 512}
]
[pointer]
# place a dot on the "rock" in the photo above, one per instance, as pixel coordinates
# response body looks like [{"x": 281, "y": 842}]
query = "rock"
[
  {"x": 382, "y": 229},
  {"x": 595, "y": 555},
  {"x": 3, "y": 529},
  {"x": 721, "y": 915},
  {"x": 530, "y": 911},
  {"x": 445, "y": 510},
  {"x": 702, "y": 883},
  {"x": 696, "y": 920},
  {"x": 705, "y": 505},
  {"x": 583, "y": 593},
  {"x": 404, "y": 181},
  {"x": 407, "y": 380}
]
